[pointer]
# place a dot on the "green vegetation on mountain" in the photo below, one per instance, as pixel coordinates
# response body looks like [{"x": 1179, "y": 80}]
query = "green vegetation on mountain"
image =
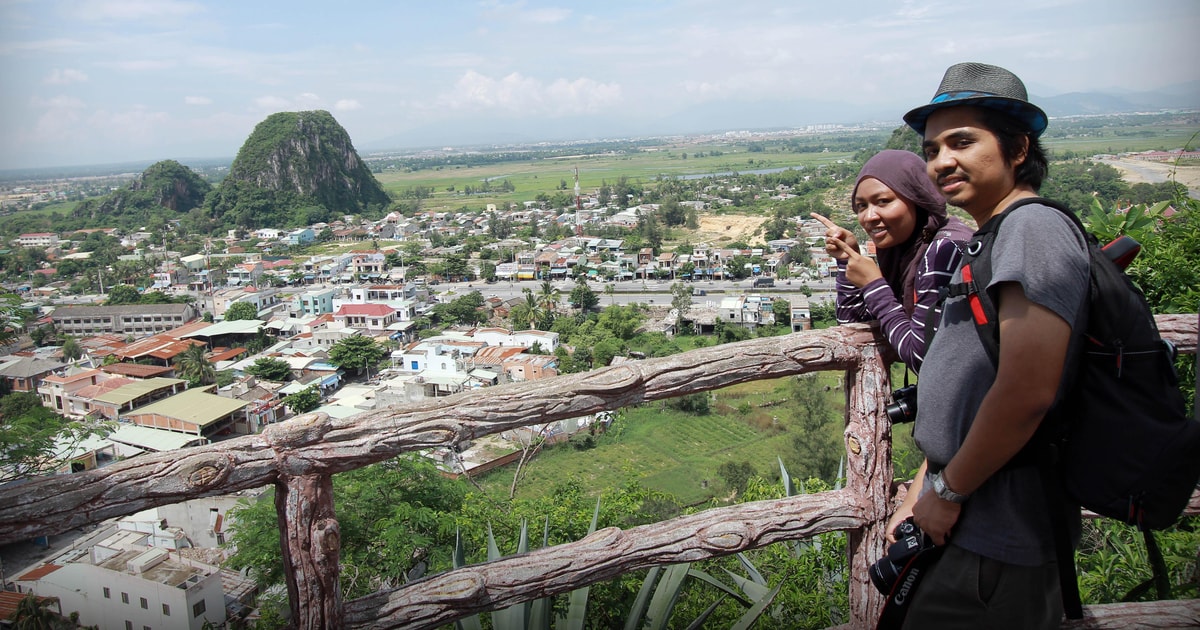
[
  {"x": 166, "y": 188},
  {"x": 296, "y": 168}
]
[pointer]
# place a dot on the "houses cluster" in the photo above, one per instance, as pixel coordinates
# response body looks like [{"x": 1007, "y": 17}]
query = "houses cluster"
[{"x": 161, "y": 569}]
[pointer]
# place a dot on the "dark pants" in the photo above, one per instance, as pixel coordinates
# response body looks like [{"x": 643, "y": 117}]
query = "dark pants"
[{"x": 966, "y": 590}]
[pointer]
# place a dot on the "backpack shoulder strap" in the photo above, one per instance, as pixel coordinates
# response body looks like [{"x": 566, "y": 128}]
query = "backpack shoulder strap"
[{"x": 976, "y": 274}]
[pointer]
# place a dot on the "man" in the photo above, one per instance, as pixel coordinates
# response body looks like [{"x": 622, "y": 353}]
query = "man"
[{"x": 980, "y": 139}]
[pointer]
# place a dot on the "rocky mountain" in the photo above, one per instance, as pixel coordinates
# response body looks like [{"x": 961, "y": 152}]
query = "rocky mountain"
[
  {"x": 296, "y": 168},
  {"x": 164, "y": 186}
]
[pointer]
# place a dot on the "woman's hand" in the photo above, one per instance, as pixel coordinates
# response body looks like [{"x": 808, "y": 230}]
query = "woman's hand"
[
  {"x": 860, "y": 270},
  {"x": 834, "y": 232}
]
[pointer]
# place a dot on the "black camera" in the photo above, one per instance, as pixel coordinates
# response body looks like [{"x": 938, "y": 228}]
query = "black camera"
[
  {"x": 910, "y": 541},
  {"x": 904, "y": 407}
]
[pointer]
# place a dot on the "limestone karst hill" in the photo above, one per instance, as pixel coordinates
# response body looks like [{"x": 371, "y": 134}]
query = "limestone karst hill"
[{"x": 296, "y": 168}]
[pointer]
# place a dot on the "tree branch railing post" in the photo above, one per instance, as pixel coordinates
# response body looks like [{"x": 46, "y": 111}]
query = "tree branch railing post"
[
  {"x": 310, "y": 541},
  {"x": 868, "y": 438}
]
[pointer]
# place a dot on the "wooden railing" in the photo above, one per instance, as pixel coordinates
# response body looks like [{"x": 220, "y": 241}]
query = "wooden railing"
[{"x": 299, "y": 456}]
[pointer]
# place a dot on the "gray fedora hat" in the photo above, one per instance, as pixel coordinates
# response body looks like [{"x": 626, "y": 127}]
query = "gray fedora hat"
[{"x": 981, "y": 85}]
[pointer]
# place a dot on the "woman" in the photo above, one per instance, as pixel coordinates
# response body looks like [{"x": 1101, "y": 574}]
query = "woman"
[{"x": 917, "y": 244}]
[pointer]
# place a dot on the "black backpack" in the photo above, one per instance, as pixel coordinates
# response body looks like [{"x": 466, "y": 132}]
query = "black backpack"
[{"x": 1119, "y": 441}]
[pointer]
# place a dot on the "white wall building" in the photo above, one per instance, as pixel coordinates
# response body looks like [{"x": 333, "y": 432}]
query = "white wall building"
[{"x": 135, "y": 589}]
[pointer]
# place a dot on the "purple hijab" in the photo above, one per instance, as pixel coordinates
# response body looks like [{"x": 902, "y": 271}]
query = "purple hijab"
[{"x": 904, "y": 172}]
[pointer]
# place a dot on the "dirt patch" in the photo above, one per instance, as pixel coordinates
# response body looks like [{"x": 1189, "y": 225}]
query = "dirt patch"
[{"x": 720, "y": 229}]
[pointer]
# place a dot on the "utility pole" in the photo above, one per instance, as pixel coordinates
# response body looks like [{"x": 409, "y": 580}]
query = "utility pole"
[{"x": 578, "y": 206}]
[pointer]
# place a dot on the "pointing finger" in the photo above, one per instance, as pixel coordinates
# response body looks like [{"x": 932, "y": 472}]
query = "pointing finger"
[
  {"x": 846, "y": 249},
  {"x": 824, "y": 220}
]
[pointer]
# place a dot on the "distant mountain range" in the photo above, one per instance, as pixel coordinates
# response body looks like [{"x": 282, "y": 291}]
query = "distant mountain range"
[
  {"x": 1180, "y": 96},
  {"x": 718, "y": 116}
]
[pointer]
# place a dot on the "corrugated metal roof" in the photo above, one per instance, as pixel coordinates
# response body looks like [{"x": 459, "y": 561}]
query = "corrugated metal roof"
[
  {"x": 195, "y": 406},
  {"x": 137, "y": 389},
  {"x": 240, "y": 326},
  {"x": 151, "y": 439}
]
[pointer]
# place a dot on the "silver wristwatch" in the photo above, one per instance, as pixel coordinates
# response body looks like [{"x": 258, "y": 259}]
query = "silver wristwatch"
[{"x": 944, "y": 492}]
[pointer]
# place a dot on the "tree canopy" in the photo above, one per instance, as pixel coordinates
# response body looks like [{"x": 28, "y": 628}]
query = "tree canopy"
[
  {"x": 271, "y": 369},
  {"x": 33, "y": 437},
  {"x": 356, "y": 352},
  {"x": 304, "y": 400},
  {"x": 240, "y": 311}
]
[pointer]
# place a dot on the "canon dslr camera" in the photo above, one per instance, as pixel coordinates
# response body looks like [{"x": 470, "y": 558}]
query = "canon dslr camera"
[
  {"x": 910, "y": 541},
  {"x": 904, "y": 407}
]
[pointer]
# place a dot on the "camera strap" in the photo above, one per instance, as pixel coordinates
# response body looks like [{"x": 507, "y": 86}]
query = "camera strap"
[{"x": 895, "y": 609}]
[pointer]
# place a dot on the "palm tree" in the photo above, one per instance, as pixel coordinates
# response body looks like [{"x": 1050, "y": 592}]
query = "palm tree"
[
  {"x": 35, "y": 613},
  {"x": 548, "y": 298},
  {"x": 193, "y": 365},
  {"x": 609, "y": 290}
]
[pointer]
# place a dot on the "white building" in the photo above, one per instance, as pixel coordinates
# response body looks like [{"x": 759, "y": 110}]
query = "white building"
[
  {"x": 38, "y": 239},
  {"x": 134, "y": 589}
]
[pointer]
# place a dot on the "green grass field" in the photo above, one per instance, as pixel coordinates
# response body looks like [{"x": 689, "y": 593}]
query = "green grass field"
[
  {"x": 548, "y": 175},
  {"x": 679, "y": 453},
  {"x": 1155, "y": 137}
]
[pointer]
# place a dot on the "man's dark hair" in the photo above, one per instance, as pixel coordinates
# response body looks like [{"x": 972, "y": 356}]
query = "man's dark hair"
[{"x": 1009, "y": 133}]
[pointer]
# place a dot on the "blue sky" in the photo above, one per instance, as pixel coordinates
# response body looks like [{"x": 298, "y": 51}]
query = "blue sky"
[{"x": 90, "y": 82}]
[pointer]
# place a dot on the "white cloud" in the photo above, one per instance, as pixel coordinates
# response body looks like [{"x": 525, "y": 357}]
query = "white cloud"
[
  {"x": 139, "y": 65},
  {"x": 546, "y": 16},
  {"x": 133, "y": 10},
  {"x": 197, "y": 100},
  {"x": 272, "y": 103},
  {"x": 65, "y": 76},
  {"x": 347, "y": 105},
  {"x": 519, "y": 94}
]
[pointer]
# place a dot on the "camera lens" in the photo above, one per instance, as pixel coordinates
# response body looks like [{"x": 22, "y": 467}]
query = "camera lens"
[
  {"x": 909, "y": 542},
  {"x": 904, "y": 409},
  {"x": 883, "y": 575}
]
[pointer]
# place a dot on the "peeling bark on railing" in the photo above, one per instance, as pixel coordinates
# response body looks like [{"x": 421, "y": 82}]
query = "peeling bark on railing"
[
  {"x": 55, "y": 504},
  {"x": 868, "y": 475},
  {"x": 1139, "y": 616},
  {"x": 311, "y": 544},
  {"x": 602, "y": 556}
]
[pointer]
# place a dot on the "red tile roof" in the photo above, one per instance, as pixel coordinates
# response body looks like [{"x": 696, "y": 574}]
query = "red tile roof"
[
  {"x": 376, "y": 310},
  {"x": 136, "y": 370},
  {"x": 39, "y": 573}
]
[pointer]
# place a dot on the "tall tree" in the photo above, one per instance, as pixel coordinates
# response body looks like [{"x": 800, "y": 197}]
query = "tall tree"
[
  {"x": 194, "y": 366},
  {"x": 358, "y": 353},
  {"x": 271, "y": 369},
  {"x": 33, "y": 438},
  {"x": 583, "y": 297},
  {"x": 304, "y": 400},
  {"x": 71, "y": 349},
  {"x": 123, "y": 294},
  {"x": 239, "y": 311},
  {"x": 397, "y": 520},
  {"x": 681, "y": 298},
  {"x": 11, "y": 318},
  {"x": 37, "y": 613}
]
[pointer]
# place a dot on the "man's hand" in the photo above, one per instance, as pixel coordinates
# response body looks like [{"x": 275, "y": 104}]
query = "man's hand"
[{"x": 936, "y": 517}]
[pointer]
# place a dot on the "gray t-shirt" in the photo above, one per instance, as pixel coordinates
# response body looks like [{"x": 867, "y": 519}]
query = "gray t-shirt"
[{"x": 1005, "y": 518}]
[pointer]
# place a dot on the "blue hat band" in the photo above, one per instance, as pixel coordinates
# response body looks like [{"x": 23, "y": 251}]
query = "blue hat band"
[{"x": 954, "y": 96}]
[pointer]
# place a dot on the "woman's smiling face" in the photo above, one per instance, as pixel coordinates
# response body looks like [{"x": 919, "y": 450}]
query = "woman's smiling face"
[{"x": 888, "y": 218}]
